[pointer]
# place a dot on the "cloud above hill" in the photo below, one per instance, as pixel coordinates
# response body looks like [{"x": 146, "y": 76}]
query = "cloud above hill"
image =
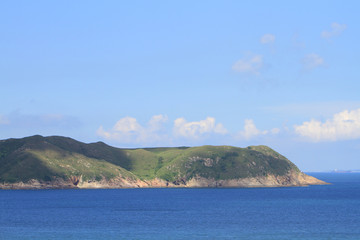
[
  {"x": 251, "y": 131},
  {"x": 128, "y": 130},
  {"x": 195, "y": 130},
  {"x": 156, "y": 131},
  {"x": 344, "y": 125}
]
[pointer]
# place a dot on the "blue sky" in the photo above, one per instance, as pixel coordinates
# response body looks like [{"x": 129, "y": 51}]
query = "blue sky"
[{"x": 173, "y": 73}]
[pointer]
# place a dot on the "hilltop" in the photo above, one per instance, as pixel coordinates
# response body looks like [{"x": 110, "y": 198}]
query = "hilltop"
[{"x": 62, "y": 162}]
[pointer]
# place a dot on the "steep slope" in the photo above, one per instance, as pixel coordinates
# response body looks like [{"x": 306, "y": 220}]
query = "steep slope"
[{"x": 56, "y": 162}]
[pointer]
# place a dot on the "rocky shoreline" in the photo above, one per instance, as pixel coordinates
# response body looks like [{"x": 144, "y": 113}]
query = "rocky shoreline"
[{"x": 292, "y": 179}]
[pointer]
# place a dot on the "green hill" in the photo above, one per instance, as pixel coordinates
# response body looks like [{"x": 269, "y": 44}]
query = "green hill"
[
  {"x": 43, "y": 159},
  {"x": 49, "y": 159}
]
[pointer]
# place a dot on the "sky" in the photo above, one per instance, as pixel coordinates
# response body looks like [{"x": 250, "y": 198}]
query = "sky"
[{"x": 186, "y": 73}]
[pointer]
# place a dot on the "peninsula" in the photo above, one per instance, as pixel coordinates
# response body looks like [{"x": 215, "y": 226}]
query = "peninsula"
[{"x": 55, "y": 162}]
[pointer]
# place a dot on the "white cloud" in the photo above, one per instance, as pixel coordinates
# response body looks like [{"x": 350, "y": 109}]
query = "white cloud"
[
  {"x": 194, "y": 130},
  {"x": 251, "y": 131},
  {"x": 4, "y": 120},
  {"x": 267, "y": 38},
  {"x": 343, "y": 126},
  {"x": 102, "y": 133},
  {"x": 156, "y": 122},
  {"x": 336, "y": 29},
  {"x": 127, "y": 125},
  {"x": 312, "y": 60},
  {"x": 128, "y": 130},
  {"x": 252, "y": 64}
]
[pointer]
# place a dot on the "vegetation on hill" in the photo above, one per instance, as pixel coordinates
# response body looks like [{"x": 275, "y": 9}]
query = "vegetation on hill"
[{"x": 44, "y": 158}]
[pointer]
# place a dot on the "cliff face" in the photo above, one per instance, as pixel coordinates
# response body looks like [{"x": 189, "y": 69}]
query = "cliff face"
[
  {"x": 56, "y": 162},
  {"x": 289, "y": 180}
]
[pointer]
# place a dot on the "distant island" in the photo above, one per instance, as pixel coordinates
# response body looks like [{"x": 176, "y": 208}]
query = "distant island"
[
  {"x": 56, "y": 162},
  {"x": 345, "y": 171}
]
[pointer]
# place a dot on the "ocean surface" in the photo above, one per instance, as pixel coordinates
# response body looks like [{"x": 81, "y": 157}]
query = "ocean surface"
[{"x": 315, "y": 212}]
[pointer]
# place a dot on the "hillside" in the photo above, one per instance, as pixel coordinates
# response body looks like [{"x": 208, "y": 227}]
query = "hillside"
[{"x": 61, "y": 162}]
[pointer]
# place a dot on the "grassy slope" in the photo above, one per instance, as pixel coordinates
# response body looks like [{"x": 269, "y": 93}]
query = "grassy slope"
[
  {"x": 224, "y": 162},
  {"x": 41, "y": 158},
  {"x": 44, "y": 158},
  {"x": 66, "y": 164}
]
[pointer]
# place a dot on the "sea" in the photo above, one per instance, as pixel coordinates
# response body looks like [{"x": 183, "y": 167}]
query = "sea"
[{"x": 316, "y": 212}]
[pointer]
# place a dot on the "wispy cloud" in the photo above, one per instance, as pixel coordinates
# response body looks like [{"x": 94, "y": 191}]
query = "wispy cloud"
[
  {"x": 342, "y": 126},
  {"x": 19, "y": 120},
  {"x": 312, "y": 61},
  {"x": 195, "y": 130},
  {"x": 252, "y": 63},
  {"x": 267, "y": 38},
  {"x": 336, "y": 29},
  {"x": 297, "y": 42},
  {"x": 311, "y": 109},
  {"x": 4, "y": 120}
]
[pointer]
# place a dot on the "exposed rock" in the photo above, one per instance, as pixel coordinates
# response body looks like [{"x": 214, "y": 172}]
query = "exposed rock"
[
  {"x": 207, "y": 162},
  {"x": 291, "y": 179},
  {"x": 75, "y": 180}
]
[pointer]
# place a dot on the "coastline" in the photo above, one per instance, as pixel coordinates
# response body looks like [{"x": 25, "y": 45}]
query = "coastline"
[{"x": 292, "y": 179}]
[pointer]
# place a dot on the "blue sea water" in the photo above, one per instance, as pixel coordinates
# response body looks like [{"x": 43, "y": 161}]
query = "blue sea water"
[{"x": 315, "y": 212}]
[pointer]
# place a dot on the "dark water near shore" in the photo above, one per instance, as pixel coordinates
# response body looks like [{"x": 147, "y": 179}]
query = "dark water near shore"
[{"x": 315, "y": 212}]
